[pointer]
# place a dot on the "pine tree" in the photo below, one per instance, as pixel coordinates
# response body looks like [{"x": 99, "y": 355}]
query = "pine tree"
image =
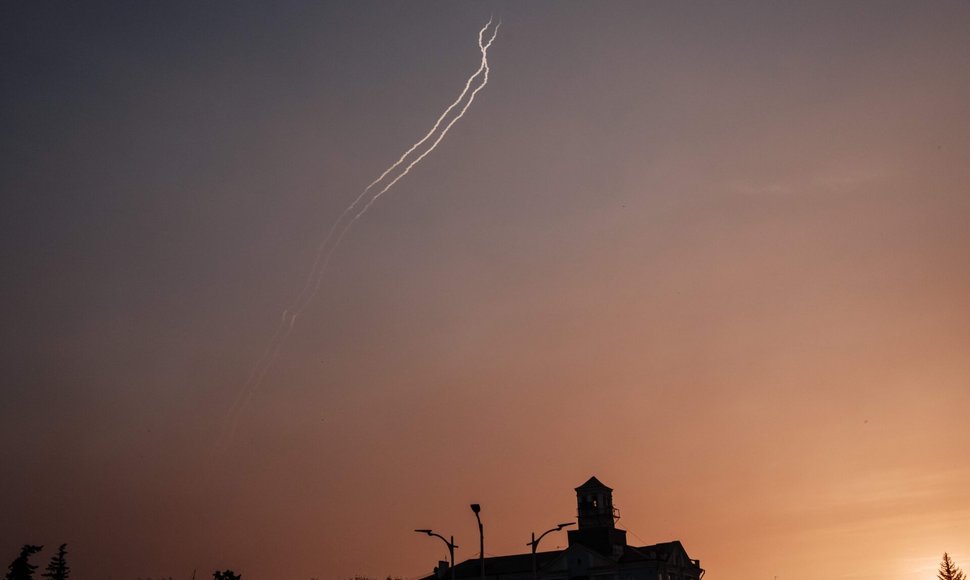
[
  {"x": 21, "y": 568},
  {"x": 226, "y": 575},
  {"x": 57, "y": 569},
  {"x": 949, "y": 570}
]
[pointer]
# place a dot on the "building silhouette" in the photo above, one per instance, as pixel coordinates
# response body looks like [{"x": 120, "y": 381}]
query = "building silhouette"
[{"x": 597, "y": 550}]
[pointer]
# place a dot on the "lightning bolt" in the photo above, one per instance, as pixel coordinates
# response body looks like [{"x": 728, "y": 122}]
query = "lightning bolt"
[{"x": 341, "y": 227}]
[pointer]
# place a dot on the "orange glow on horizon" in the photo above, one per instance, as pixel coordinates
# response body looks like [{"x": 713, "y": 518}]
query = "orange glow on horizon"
[{"x": 715, "y": 255}]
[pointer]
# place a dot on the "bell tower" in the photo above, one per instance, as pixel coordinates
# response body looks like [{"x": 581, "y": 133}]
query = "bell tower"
[
  {"x": 597, "y": 520},
  {"x": 594, "y": 502}
]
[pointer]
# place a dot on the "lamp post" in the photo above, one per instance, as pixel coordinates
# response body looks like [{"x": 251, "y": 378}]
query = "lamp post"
[
  {"x": 451, "y": 547},
  {"x": 481, "y": 537},
  {"x": 535, "y": 546}
]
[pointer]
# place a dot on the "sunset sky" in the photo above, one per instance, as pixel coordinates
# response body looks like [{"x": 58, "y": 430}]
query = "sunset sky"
[{"x": 716, "y": 254}]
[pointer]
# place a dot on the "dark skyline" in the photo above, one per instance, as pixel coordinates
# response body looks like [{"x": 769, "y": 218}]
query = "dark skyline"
[{"x": 715, "y": 254}]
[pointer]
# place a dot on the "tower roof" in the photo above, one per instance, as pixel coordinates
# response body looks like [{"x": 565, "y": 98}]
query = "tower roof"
[{"x": 593, "y": 483}]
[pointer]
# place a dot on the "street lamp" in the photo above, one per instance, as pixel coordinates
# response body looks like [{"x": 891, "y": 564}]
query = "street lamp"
[
  {"x": 481, "y": 537},
  {"x": 451, "y": 547},
  {"x": 535, "y": 546}
]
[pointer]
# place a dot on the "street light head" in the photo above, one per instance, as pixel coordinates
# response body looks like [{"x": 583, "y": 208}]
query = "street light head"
[
  {"x": 476, "y": 508},
  {"x": 423, "y": 532},
  {"x": 561, "y": 526}
]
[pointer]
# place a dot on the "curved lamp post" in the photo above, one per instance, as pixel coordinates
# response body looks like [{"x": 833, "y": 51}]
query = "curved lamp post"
[
  {"x": 451, "y": 547},
  {"x": 481, "y": 537},
  {"x": 535, "y": 546}
]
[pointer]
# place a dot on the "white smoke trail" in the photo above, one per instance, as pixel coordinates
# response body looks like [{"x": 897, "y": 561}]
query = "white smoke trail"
[
  {"x": 326, "y": 249},
  {"x": 323, "y": 245},
  {"x": 484, "y": 67},
  {"x": 437, "y": 123},
  {"x": 444, "y": 131}
]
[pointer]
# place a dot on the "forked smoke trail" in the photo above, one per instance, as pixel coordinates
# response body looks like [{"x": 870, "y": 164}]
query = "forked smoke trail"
[
  {"x": 445, "y": 130},
  {"x": 484, "y": 67},
  {"x": 321, "y": 252},
  {"x": 437, "y": 123},
  {"x": 326, "y": 249}
]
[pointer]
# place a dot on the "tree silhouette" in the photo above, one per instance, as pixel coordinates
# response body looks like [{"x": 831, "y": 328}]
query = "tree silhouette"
[
  {"x": 57, "y": 569},
  {"x": 949, "y": 570},
  {"x": 21, "y": 568},
  {"x": 226, "y": 575}
]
